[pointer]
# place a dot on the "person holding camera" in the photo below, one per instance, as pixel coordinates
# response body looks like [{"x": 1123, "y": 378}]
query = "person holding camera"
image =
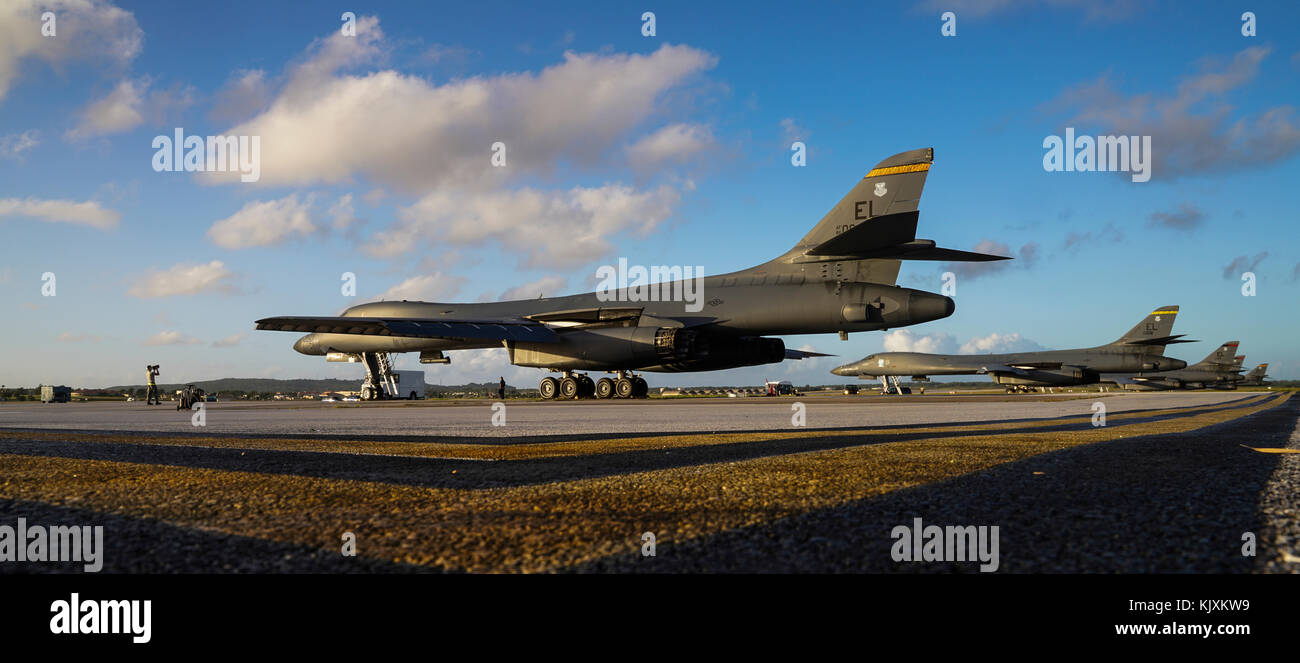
[{"x": 151, "y": 396}]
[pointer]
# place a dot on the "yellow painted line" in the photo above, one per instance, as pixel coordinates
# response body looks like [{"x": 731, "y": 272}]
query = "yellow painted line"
[
  {"x": 895, "y": 170},
  {"x": 1273, "y": 450},
  {"x": 537, "y": 527},
  {"x": 1164, "y": 313}
]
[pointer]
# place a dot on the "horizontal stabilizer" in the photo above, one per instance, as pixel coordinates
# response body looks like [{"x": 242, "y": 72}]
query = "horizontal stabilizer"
[
  {"x": 892, "y": 236},
  {"x": 803, "y": 354},
  {"x": 871, "y": 235},
  {"x": 1163, "y": 340}
]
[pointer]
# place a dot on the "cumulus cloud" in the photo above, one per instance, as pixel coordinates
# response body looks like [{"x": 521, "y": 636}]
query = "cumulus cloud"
[
  {"x": 88, "y": 213},
  {"x": 410, "y": 134},
  {"x": 550, "y": 228},
  {"x": 1194, "y": 130},
  {"x": 675, "y": 143},
  {"x": 904, "y": 340},
  {"x": 1186, "y": 218},
  {"x": 425, "y": 288},
  {"x": 171, "y": 337},
  {"x": 342, "y": 213},
  {"x": 86, "y": 30},
  {"x": 120, "y": 110},
  {"x": 1242, "y": 264},
  {"x": 547, "y": 285},
  {"x": 229, "y": 341},
  {"x": 128, "y": 105},
  {"x": 265, "y": 223},
  {"x": 12, "y": 146},
  {"x": 246, "y": 93},
  {"x": 997, "y": 343},
  {"x": 337, "y": 118},
  {"x": 185, "y": 279}
]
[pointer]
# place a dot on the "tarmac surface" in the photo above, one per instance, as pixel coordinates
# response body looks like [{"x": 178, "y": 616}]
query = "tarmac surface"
[
  {"x": 470, "y": 418},
  {"x": 1173, "y": 482}
]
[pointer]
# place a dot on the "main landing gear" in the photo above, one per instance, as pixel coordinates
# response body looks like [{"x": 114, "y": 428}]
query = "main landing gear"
[{"x": 577, "y": 385}]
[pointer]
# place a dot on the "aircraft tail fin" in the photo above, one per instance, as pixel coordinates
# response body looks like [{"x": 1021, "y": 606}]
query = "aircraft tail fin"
[
  {"x": 1258, "y": 373},
  {"x": 1153, "y": 331},
  {"x": 875, "y": 224},
  {"x": 1221, "y": 358}
]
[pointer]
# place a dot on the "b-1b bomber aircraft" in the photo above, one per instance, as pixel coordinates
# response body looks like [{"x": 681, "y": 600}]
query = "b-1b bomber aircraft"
[
  {"x": 840, "y": 278},
  {"x": 1220, "y": 370},
  {"x": 1141, "y": 349}
]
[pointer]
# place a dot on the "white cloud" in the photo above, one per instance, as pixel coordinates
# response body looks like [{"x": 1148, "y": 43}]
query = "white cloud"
[
  {"x": 407, "y": 133},
  {"x": 12, "y": 146},
  {"x": 246, "y": 93},
  {"x": 675, "y": 143},
  {"x": 997, "y": 343},
  {"x": 229, "y": 341},
  {"x": 265, "y": 223},
  {"x": 86, "y": 30},
  {"x": 87, "y": 213},
  {"x": 128, "y": 105},
  {"x": 551, "y": 228},
  {"x": 425, "y": 288},
  {"x": 342, "y": 213},
  {"x": 903, "y": 340},
  {"x": 185, "y": 279},
  {"x": 120, "y": 110},
  {"x": 171, "y": 337},
  {"x": 1196, "y": 129},
  {"x": 545, "y": 286}
]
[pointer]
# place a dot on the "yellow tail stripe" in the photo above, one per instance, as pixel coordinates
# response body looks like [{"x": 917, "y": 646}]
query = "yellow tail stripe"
[{"x": 894, "y": 170}]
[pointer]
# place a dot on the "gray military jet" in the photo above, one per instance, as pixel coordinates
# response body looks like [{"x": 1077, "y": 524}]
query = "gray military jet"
[
  {"x": 1141, "y": 349},
  {"x": 1256, "y": 376},
  {"x": 838, "y": 279},
  {"x": 1220, "y": 370}
]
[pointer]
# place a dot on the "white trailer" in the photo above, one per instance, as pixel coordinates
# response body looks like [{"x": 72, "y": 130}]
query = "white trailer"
[{"x": 410, "y": 385}]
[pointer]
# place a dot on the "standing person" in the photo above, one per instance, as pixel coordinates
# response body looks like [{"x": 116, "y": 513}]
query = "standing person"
[
  {"x": 151, "y": 396},
  {"x": 501, "y": 389}
]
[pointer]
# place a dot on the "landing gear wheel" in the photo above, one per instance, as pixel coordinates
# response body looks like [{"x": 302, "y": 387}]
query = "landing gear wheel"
[
  {"x": 367, "y": 393},
  {"x": 568, "y": 388},
  {"x": 586, "y": 387},
  {"x": 623, "y": 388},
  {"x": 640, "y": 389},
  {"x": 547, "y": 388},
  {"x": 604, "y": 388}
]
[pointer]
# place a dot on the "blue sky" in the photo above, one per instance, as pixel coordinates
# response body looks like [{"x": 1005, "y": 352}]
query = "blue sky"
[{"x": 671, "y": 149}]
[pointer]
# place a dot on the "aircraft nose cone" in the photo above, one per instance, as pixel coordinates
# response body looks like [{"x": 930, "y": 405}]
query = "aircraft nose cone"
[
  {"x": 307, "y": 345},
  {"x": 846, "y": 369},
  {"x": 928, "y": 306}
]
